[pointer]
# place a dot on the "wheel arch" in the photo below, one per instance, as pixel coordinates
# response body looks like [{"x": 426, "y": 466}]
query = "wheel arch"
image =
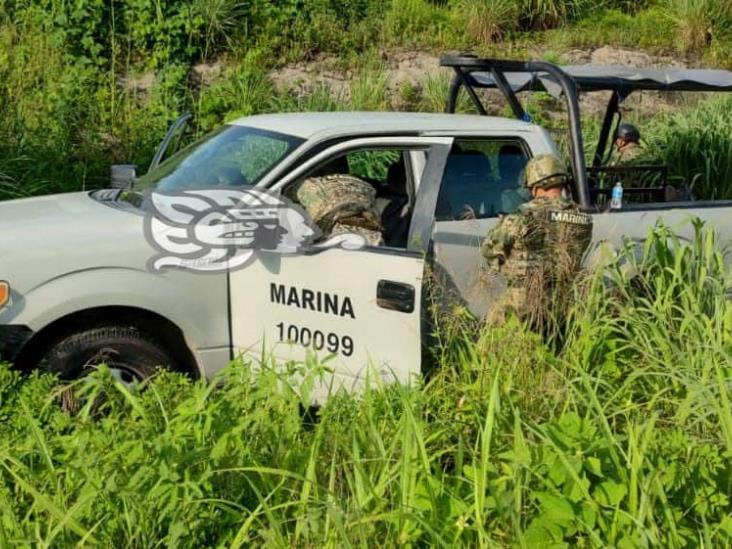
[{"x": 165, "y": 332}]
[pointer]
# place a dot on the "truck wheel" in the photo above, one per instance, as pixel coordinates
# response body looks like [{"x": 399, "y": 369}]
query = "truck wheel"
[{"x": 130, "y": 354}]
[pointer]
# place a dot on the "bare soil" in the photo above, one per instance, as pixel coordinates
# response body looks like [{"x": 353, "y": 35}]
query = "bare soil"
[
  {"x": 414, "y": 67},
  {"x": 411, "y": 69},
  {"x": 401, "y": 67}
]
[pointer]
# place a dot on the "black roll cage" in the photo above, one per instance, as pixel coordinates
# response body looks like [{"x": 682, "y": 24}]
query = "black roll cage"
[
  {"x": 464, "y": 66},
  {"x": 472, "y": 72}
]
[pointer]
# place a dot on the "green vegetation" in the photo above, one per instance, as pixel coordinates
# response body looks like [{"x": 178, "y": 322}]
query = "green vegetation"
[
  {"x": 617, "y": 431},
  {"x": 86, "y": 84},
  {"x": 698, "y": 145},
  {"x": 621, "y": 437}
]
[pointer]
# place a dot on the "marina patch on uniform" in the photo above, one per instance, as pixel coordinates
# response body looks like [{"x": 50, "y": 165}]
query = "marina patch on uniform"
[{"x": 574, "y": 218}]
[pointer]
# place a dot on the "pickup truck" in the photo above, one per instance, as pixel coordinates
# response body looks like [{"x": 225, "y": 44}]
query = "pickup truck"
[{"x": 77, "y": 288}]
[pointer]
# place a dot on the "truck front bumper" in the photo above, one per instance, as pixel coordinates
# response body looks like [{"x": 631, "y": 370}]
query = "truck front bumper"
[{"x": 12, "y": 339}]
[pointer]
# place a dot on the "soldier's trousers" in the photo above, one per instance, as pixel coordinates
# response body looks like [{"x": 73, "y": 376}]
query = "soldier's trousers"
[{"x": 512, "y": 301}]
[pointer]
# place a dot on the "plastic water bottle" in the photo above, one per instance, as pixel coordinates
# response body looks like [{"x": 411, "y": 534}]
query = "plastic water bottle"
[{"x": 616, "y": 202}]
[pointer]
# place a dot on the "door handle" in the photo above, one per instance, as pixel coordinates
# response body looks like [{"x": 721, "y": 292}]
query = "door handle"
[{"x": 395, "y": 296}]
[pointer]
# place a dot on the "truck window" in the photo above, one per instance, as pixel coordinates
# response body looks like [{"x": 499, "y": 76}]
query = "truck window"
[
  {"x": 373, "y": 166},
  {"x": 482, "y": 179},
  {"x": 230, "y": 156},
  {"x": 387, "y": 171}
]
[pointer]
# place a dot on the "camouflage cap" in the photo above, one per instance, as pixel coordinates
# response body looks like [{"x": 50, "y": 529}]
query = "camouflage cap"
[{"x": 545, "y": 171}]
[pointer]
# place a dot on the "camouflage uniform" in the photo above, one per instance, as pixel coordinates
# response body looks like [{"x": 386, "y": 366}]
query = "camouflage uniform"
[
  {"x": 340, "y": 204},
  {"x": 539, "y": 251},
  {"x": 628, "y": 155}
]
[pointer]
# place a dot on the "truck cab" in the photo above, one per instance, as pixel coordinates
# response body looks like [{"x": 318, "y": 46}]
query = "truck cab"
[{"x": 80, "y": 280}]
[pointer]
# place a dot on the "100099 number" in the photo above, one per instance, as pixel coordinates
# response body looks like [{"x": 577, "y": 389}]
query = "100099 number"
[{"x": 315, "y": 339}]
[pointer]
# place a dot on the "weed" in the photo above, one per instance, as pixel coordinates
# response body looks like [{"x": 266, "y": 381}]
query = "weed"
[
  {"x": 488, "y": 21},
  {"x": 368, "y": 91},
  {"x": 434, "y": 95},
  {"x": 646, "y": 29},
  {"x": 222, "y": 18},
  {"x": 621, "y": 438},
  {"x": 695, "y": 143},
  {"x": 694, "y": 21}
]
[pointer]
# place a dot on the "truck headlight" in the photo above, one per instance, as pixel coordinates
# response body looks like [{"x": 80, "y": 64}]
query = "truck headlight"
[{"x": 4, "y": 293}]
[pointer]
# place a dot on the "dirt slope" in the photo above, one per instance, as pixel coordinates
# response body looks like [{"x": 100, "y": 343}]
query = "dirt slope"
[{"x": 414, "y": 68}]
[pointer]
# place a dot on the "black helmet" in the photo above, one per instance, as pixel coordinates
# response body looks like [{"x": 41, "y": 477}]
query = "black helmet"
[{"x": 628, "y": 132}]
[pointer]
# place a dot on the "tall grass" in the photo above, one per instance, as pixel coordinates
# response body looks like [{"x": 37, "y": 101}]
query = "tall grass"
[
  {"x": 488, "y": 21},
  {"x": 696, "y": 143},
  {"x": 368, "y": 91},
  {"x": 622, "y": 438},
  {"x": 542, "y": 14},
  {"x": 222, "y": 19},
  {"x": 698, "y": 22},
  {"x": 411, "y": 22}
]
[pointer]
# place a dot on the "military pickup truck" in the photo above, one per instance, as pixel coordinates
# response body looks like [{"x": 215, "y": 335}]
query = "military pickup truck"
[{"x": 78, "y": 288}]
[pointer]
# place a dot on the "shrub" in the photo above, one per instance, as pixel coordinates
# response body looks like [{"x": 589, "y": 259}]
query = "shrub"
[
  {"x": 699, "y": 22},
  {"x": 409, "y": 22},
  {"x": 546, "y": 14},
  {"x": 223, "y": 18},
  {"x": 488, "y": 20},
  {"x": 622, "y": 438}
]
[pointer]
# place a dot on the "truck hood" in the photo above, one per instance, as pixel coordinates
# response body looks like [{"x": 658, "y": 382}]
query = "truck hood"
[
  {"x": 32, "y": 214},
  {"x": 57, "y": 219},
  {"x": 49, "y": 236}
]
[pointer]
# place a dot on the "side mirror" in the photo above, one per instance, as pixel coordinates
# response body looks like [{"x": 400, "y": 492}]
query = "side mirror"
[{"x": 122, "y": 176}]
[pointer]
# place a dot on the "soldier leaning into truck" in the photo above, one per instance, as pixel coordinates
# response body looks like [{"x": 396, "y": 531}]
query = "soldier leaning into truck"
[
  {"x": 339, "y": 204},
  {"x": 539, "y": 249}
]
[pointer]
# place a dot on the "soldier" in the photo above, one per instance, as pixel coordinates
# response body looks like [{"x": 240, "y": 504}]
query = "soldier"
[
  {"x": 627, "y": 145},
  {"x": 340, "y": 203},
  {"x": 539, "y": 249}
]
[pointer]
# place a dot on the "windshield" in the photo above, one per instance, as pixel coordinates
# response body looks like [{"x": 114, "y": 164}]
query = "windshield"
[{"x": 231, "y": 156}]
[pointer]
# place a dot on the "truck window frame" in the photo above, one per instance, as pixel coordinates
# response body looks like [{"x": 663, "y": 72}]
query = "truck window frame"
[
  {"x": 504, "y": 139},
  {"x": 425, "y": 190}
]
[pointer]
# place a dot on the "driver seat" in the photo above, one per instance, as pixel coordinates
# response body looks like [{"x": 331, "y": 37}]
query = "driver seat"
[{"x": 396, "y": 213}]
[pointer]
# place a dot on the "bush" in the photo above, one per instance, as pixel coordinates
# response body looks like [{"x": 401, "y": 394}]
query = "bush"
[
  {"x": 699, "y": 22},
  {"x": 622, "y": 438},
  {"x": 489, "y": 21},
  {"x": 50, "y": 134}
]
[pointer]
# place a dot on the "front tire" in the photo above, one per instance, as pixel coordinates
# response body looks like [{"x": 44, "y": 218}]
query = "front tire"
[{"x": 131, "y": 354}]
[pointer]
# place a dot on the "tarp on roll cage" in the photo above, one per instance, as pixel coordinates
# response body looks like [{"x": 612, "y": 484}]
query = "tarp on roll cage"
[{"x": 609, "y": 77}]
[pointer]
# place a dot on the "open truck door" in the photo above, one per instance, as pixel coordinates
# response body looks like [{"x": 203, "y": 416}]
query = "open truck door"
[{"x": 360, "y": 311}]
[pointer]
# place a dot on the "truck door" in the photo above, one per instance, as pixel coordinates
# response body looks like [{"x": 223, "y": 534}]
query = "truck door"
[
  {"x": 482, "y": 181},
  {"x": 357, "y": 310}
]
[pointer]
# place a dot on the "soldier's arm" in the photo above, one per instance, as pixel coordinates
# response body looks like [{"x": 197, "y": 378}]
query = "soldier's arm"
[{"x": 500, "y": 239}]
